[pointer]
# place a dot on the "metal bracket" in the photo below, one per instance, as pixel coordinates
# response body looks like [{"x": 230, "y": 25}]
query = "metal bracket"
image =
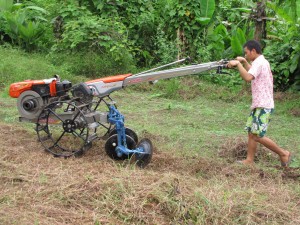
[{"x": 117, "y": 119}]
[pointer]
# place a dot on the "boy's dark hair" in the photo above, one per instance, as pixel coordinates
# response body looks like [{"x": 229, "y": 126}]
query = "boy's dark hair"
[{"x": 252, "y": 44}]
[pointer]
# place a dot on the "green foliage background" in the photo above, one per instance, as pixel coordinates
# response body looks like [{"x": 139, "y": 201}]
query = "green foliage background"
[{"x": 97, "y": 38}]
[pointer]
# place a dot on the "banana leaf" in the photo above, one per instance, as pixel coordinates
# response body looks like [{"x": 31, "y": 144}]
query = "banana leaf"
[
  {"x": 237, "y": 42},
  {"x": 207, "y": 8},
  {"x": 6, "y": 5},
  {"x": 37, "y": 9},
  {"x": 245, "y": 10}
]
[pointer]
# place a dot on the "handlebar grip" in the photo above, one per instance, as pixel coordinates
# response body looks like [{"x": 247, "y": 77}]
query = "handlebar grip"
[
  {"x": 221, "y": 67},
  {"x": 225, "y": 62},
  {"x": 224, "y": 66}
]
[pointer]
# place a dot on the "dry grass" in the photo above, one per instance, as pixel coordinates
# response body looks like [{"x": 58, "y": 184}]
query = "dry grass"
[
  {"x": 236, "y": 149},
  {"x": 36, "y": 188},
  {"x": 295, "y": 112}
]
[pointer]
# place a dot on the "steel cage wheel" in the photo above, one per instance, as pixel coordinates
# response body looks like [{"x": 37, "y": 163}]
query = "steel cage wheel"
[{"x": 62, "y": 129}]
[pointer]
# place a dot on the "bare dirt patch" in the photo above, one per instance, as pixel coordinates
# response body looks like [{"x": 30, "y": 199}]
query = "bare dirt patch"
[
  {"x": 295, "y": 112},
  {"x": 236, "y": 149}
]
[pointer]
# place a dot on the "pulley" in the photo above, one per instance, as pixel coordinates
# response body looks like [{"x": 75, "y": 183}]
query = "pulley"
[{"x": 30, "y": 104}]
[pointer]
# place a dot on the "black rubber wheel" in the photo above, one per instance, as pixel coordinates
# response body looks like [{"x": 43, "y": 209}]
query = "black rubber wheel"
[
  {"x": 142, "y": 160},
  {"x": 128, "y": 132},
  {"x": 112, "y": 143}
]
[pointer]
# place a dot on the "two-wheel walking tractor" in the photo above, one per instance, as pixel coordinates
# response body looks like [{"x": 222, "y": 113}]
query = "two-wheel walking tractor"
[{"x": 69, "y": 118}]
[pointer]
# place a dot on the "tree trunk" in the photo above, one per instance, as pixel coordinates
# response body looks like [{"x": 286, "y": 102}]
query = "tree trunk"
[
  {"x": 260, "y": 21},
  {"x": 181, "y": 43}
]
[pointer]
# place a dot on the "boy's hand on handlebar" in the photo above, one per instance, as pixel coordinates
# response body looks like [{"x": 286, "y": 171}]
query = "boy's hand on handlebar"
[{"x": 233, "y": 63}]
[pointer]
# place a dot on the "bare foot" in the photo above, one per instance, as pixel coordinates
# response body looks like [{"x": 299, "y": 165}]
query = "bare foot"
[
  {"x": 285, "y": 159},
  {"x": 246, "y": 162}
]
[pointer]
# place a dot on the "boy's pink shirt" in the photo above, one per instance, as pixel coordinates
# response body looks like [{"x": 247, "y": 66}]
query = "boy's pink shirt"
[{"x": 262, "y": 84}]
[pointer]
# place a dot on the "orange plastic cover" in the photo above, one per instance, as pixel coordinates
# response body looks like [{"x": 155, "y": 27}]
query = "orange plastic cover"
[
  {"x": 53, "y": 88},
  {"x": 18, "y": 88},
  {"x": 110, "y": 79}
]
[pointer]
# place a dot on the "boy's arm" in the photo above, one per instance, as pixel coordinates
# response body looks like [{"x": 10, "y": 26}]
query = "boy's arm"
[
  {"x": 243, "y": 72},
  {"x": 245, "y": 63}
]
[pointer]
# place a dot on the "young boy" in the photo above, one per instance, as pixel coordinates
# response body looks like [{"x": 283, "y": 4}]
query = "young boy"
[{"x": 261, "y": 78}]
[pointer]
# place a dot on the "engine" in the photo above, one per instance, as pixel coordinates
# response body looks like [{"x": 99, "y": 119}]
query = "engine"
[{"x": 33, "y": 95}]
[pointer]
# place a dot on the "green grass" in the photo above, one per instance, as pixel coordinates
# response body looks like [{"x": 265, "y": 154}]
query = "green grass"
[{"x": 201, "y": 125}]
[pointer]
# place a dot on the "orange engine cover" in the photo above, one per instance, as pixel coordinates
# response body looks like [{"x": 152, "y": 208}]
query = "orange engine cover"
[{"x": 18, "y": 88}]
